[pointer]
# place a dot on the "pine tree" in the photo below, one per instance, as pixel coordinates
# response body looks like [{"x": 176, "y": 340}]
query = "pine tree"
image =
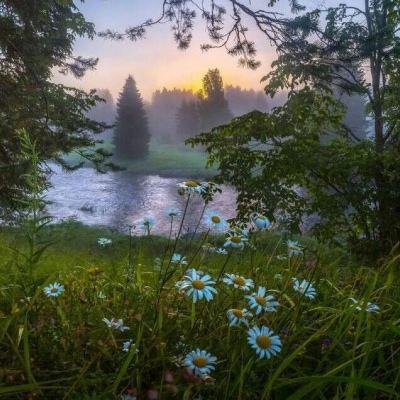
[
  {"x": 213, "y": 106},
  {"x": 187, "y": 120},
  {"x": 131, "y": 134}
]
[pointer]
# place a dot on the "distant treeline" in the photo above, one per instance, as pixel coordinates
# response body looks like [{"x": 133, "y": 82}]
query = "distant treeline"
[{"x": 176, "y": 114}]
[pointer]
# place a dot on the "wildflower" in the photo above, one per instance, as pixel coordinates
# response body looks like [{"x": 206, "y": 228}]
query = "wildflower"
[
  {"x": 221, "y": 251},
  {"x": 197, "y": 286},
  {"x": 172, "y": 212},
  {"x": 103, "y": 242},
  {"x": 178, "y": 259},
  {"x": 117, "y": 324},
  {"x": 294, "y": 248},
  {"x": 237, "y": 316},
  {"x": 305, "y": 288},
  {"x": 261, "y": 302},
  {"x": 192, "y": 187},
  {"x": 362, "y": 306},
  {"x": 191, "y": 270},
  {"x": 126, "y": 346},
  {"x": 261, "y": 221},
  {"x": 54, "y": 290},
  {"x": 238, "y": 282},
  {"x": 214, "y": 220},
  {"x": 263, "y": 341},
  {"x": 147, "y": 223},
  {"x": 236, "y": 239},
  {"x": 200, "y": 362}
]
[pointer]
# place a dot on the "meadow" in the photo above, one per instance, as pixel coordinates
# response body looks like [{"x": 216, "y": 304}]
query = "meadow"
[
  {"x": 167, "y": 160},
  {"x": 230, "y": 313}
]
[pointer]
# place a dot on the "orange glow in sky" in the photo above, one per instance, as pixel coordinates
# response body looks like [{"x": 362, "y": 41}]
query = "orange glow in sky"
[{"x": 155, "y": 62}]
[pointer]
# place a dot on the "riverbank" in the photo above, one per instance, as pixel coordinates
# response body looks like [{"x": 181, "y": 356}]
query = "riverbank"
[
  {"x": 165, "y": 160},
  {"x": 116, "y": 319}
]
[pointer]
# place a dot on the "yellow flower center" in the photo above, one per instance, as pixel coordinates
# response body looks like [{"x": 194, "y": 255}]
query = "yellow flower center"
[
  {"x": 200, "y": 361},
  {"x": 261, "y": 300},
  {"x": 191, "y": 184},
  {"x": 236, "y": 239},
  {"x": 215, "y": 219},
  {"x": 239, "y": 280},
  {"x": 237, "y": 313},
  {"x": 54, "y": 290},
  {"x": 264, "y": 341},
  {"x": 198, "y": 284}
]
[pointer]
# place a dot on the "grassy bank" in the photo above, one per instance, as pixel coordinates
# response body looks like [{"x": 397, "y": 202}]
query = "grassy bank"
[
  {"x": 165, "y": 160},
  {"x": 60, "y": 347}
]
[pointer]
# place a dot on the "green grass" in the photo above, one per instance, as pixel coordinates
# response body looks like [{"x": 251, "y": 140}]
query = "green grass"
[
  {"x": 164, "y": 159},
  {"x": 61, "y": 348}
]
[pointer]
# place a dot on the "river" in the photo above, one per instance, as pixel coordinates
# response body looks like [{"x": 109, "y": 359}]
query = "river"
[{"x": 121, "y": 199}]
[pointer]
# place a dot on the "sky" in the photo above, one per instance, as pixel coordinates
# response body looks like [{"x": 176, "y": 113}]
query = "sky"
[{"x": 155, "y": 62}]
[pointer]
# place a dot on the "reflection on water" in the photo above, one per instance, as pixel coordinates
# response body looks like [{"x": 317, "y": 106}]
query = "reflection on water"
[{"x": 121, "y": 199}]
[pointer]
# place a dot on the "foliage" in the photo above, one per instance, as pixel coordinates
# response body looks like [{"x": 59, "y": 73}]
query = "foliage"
[
  {"x": 212, "y": 106},
  {"x": 188, "y": 121},
  {"x": 241, "y": 101},
  {"x": 351, "y": 182},
  {"x": 104, "y": 111},
  {"x": 131, "y": 134},
  {"x": 340, "y": 49},
  {"x": 162, "y": 112},
  {"x": 60, "y": 346},
  {"x": 36, "y": 39}
]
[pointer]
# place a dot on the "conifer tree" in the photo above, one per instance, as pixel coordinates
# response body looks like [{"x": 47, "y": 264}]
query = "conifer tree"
[
  {"x": 131, "y": 134},
  {"x": 188, "y": 122}
]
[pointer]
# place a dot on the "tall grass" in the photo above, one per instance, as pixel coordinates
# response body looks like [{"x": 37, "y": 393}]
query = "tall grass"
[{"x": 60, "y": 347}]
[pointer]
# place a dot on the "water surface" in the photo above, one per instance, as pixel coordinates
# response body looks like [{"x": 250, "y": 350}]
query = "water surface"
[{"x": 121, "y": 199}]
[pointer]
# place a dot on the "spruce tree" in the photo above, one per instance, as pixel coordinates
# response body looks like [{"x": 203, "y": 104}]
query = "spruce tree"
[
  {"x": 187, "y": 120},
  {"x": 131, "y": 134}
]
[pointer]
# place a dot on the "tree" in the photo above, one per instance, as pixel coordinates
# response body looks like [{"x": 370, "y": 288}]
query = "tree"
[
  {"x": 188, "y": 122},
  {"x": 162, "y": 112},
  {"x": 131, "y": 134},
  {"x": 212, "y": 105},
  {"x": 104, "y": 111},
  {"x": 36, "y": 38},
  {"x": 241, "y": 101},
  {"x": 353, "y": 183}
]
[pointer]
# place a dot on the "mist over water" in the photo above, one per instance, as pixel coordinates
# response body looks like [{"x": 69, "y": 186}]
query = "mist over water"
[{"x": 122, "y": 199}]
